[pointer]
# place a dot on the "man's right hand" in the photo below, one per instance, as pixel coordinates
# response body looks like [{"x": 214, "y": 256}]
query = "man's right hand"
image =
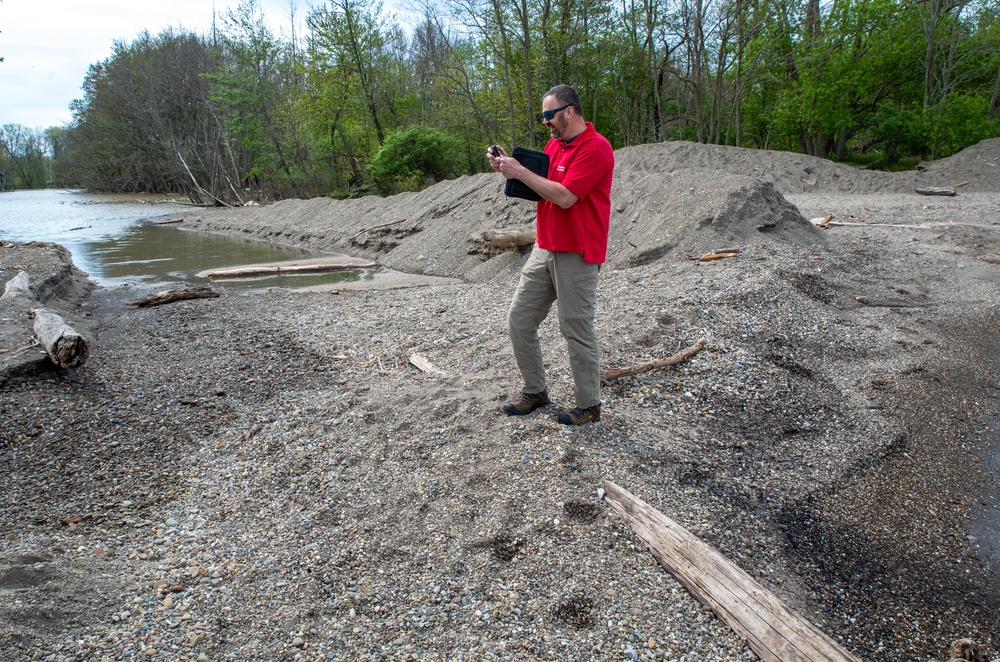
[{"x": 495, "y": 161}]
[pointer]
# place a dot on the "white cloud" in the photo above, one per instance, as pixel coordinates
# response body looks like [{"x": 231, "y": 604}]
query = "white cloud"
[{"x": 47, "y": 45}]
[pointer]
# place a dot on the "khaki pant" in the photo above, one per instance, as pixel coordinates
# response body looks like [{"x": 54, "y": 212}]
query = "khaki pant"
[{"x": 548, "y": 276}]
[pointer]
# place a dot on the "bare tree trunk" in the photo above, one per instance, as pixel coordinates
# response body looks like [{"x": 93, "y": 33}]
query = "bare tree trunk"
[
  {"x": 738, "y": 84},
  {"x": 995, "y": 97},
  {"x": 529, "y": 88},
  {"x": 697, "y": 37},
  {"x": 363, "y": 73},
  {"x": 508, "y": 82}
]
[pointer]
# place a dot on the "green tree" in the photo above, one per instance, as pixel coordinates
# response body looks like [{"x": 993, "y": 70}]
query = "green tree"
[
  {"x": 145, "y": 122},
  {"x": 23, "y": 151},
  {"x": 254, "y": 91},
  {"x": 413, "y": 158},
  {"x": 58, "y": 140}
]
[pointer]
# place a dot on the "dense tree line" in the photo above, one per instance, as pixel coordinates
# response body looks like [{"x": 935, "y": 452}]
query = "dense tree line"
[{"x": 358, "y": 103}]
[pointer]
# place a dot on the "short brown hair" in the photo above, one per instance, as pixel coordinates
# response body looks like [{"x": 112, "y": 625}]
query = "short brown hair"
[{"x": 566, "y": 96}]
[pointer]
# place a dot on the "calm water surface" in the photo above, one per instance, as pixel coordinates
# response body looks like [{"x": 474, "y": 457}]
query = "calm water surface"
[{"x": 115, "y": 240}]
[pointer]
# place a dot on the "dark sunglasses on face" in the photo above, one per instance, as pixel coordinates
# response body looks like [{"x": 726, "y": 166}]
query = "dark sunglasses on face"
[{"x": 547, "y": 115}]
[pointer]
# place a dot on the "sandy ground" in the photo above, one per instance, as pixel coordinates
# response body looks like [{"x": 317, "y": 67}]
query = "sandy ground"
[{"x": 267, "y": 476}]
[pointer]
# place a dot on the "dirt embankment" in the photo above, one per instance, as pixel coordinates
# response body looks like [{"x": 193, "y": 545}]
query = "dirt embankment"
[
  {"x": 267, "y": 476},
  {"x": 54, "y": 282}
]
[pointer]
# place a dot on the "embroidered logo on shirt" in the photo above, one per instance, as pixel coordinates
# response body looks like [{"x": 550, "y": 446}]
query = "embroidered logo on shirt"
[{"x": 561, "y": 168}]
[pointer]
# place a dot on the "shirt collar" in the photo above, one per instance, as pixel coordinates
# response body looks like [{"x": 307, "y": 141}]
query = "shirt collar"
[{"x": 588, "y": 128}]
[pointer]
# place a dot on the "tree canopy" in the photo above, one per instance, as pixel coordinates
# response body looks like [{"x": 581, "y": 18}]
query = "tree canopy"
[{"x": 360, "y": 103}]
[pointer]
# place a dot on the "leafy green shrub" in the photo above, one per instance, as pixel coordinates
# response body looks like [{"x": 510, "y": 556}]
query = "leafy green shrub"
[
  {"x": 413, "y": 158},
  {"x": 964, "y": 122},
  {"x": 899, "y": 132}
]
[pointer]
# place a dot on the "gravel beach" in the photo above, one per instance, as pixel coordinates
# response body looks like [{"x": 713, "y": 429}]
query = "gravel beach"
[{"x": 267, "y": 476}]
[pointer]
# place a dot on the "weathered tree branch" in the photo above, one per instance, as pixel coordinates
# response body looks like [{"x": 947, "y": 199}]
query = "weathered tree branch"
[
  {"x": 176, "y": 294},
  {"x": 680, "y": 357},
  {"x": 934, "y": 190}
]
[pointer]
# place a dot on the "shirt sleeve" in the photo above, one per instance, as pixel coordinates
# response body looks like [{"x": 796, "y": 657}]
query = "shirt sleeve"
[{"x": 589, "y": 167}]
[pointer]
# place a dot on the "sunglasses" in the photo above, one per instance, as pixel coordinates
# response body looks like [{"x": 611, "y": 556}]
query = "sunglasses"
[{"x": 547, "y": 115}]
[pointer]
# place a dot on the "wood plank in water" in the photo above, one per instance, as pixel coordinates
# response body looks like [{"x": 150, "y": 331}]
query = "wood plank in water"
[{"x": 311, "y": 266}]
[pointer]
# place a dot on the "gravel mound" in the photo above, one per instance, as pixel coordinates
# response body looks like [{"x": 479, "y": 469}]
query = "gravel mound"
[
  {"x": 978, "y": 165},
  {"x": 975, "y": 168}
]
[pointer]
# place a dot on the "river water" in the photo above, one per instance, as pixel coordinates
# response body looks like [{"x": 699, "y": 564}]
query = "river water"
[{"x": 115, "y": 240}]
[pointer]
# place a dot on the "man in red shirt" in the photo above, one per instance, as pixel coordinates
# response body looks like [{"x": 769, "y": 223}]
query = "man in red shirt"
[{"x": 572, "y": 242}]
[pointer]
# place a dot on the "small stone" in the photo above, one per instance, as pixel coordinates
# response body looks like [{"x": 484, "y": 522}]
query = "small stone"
[
  {"x": 168, "y": 602},
  {"x": 298, "y": 642},
  {"x": 171, "y": 522},
  {"x": 150, "y": 652}
]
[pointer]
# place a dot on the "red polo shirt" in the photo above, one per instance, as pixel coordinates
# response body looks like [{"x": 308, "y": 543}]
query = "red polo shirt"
[{"x": 584, "y": 166}]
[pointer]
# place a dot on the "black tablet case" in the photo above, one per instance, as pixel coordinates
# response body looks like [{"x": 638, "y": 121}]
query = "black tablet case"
[{"x": 537, "y": 162}]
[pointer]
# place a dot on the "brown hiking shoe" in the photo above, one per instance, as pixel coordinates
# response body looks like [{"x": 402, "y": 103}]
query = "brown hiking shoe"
[
  {"x": 580, "y": 416},
  {"x": 526, "y": 403}
]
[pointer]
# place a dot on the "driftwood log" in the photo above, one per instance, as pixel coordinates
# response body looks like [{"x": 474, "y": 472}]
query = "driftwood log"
[
  {"x": 773, "y": 631},
  {"x": 935, "y": 190},
  {"x": 509, "y": 238},
  {"x": 822, "y": 221},
  {"x": 66, "y": 347},
  {"x": 303, "y": 267},
  {"x": 176, "y": 294},
  {"x": 709, "y": 257},
  {"x": 680, "y": 357},
  {"x": 426, "y": 366},
  {"x": 967, "y": 650},
  {"x": 19, "y": 285}
]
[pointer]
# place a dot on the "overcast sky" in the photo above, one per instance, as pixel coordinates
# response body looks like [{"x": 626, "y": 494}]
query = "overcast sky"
[{"x": 47, "y": 45}]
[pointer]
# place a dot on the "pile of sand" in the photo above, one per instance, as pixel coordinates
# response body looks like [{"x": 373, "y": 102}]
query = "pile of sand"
[
  {"x": 670, "y": 200},
  {"x": 973, "y": 169}
]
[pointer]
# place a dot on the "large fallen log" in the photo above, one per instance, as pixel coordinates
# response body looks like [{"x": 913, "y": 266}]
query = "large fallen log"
[
  {"x": 508, "y": 238},
  {"x": 773, "y": 631},
  {"x": 679, "y": 357},
  {"x": 66, "y": 347},
  {"x": 19, "y": 285},
  {"x": 176, "y": 294},
  {"x": 312, "y": 266}
]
